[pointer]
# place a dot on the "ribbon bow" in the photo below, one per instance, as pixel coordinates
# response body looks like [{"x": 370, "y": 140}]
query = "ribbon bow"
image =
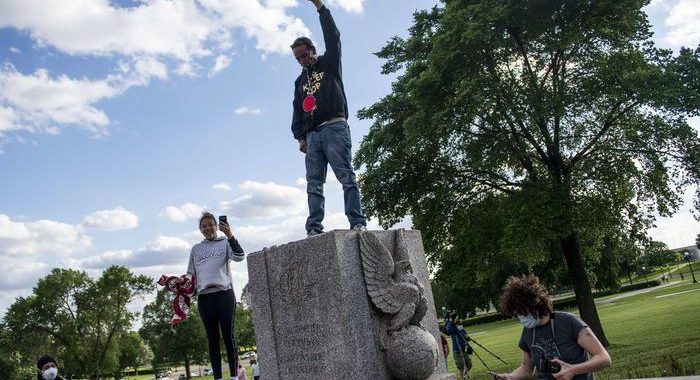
[{"x": 184, "y": 288}]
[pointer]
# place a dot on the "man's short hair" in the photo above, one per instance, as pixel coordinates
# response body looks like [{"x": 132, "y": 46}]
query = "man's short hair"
[{"x": 304, "y": 41}]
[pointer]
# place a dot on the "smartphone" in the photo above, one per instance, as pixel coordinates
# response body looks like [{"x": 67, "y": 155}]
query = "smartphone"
[{"x": 222, "y": 219}]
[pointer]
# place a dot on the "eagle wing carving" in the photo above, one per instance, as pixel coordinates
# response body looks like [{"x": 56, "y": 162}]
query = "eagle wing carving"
[{"x": 378, "y": 266}]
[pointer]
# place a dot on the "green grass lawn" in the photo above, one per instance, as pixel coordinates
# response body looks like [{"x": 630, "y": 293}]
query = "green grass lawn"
[{"x": 649, "y": 336}]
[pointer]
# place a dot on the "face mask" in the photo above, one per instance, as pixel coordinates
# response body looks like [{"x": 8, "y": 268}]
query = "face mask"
[
  {"x": 529, "y": 321},
  {"x": 50, "y": 373}
]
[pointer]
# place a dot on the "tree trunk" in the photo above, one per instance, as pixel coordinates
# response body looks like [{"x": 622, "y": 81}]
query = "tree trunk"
[
  {"x": 582, "y": 289},
  {"x": 187, "y": 366}
]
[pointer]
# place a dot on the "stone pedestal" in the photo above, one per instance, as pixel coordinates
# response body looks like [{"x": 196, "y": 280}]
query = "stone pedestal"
[{"x": 312, "y": 316}]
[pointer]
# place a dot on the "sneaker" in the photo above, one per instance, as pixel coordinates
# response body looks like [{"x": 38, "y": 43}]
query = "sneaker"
[
  {"x": 313, "y": 233},
  {"x": 359, "y": 227}
]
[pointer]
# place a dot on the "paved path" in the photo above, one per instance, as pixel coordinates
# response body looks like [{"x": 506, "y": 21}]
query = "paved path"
[{"x": 635, "y": 292}]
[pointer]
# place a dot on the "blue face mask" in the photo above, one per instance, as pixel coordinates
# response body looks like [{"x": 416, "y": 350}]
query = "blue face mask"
[{"x": 529, "y": 321}]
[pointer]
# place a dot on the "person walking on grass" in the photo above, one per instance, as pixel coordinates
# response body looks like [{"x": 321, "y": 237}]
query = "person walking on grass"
[{"x": 460, "y": 344}]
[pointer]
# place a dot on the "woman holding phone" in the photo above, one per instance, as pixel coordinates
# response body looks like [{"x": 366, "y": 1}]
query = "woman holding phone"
[{"x": 209, "y": 263}]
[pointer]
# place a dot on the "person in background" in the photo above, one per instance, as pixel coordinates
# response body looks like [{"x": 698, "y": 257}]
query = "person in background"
[
  {"x": 445, "y": 346},
  {"x": 209, "y": 263},
  {"x": 47, "y": 368},
  {"x": 241, "y": 372},
  {"x": 460, "y": 345},
  {"x": 554, "y": 343},
  {"x": 256, "y": 368}
]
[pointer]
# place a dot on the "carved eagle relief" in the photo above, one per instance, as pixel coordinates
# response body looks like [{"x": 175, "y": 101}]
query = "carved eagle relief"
[{"x": 391, "y": 285}]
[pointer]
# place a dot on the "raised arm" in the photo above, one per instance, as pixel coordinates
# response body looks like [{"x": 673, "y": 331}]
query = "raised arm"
[
  {"x": 235, "y": 251},
  {"x": 331, "y": 37}
]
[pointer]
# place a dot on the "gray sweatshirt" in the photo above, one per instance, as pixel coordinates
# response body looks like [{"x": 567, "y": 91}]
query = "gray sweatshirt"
[{"x": 209, "y": 262}]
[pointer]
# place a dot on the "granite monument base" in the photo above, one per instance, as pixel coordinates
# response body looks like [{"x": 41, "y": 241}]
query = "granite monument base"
[{"x": 312, "y": 315}]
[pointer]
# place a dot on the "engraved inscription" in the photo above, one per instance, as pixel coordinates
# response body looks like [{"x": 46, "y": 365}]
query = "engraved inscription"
[
  {"x": 297, "y": 279},
  {"x": 303, "y": 347}
]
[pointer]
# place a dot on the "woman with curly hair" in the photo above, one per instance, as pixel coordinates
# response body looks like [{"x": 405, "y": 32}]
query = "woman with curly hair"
[{"x": 555, "y": 343}]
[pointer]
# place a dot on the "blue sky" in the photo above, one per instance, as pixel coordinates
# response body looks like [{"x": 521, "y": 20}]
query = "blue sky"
[{"x": 121, "y": 120}]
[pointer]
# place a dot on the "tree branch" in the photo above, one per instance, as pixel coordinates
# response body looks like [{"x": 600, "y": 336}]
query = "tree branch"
[{"x": 609, "y": 122}]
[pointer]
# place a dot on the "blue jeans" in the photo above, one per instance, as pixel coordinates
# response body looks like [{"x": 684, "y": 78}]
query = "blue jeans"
[{"x": 331, "y": 145}]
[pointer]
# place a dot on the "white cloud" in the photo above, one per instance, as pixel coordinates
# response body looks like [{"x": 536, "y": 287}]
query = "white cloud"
[
  {"x": 8, "y": 296},
  {"x": 245, "y": 110},
  {"x": 222, "y": 186},
  {"x": 220, "y": 63},
  {"x": 41, "y": 238},
  {"x": 15, "y": 50},
  {"x": 266, "y": 200},
  {"x": 180, "y": 29},
  {"x": 266, "y": 22},
  {"x": 30, "y": 249},
  {"x": 679, "y": 230},
  {"x": 351, "y": 6},
  {"x": 8, "y": 120},
  {"x": 112, "y": 220},
  {"x": 162, "y": 251},
  {"x": 157, "y": 27},
  {"x": 40, "y": 103},
  {"x": 148, "y": 39},
  {"x": 682, "y": 22},
  {"x": 183, "y": 212},
  {"x": 256, "y": 237},
  {"x": 19, "y": 273}
]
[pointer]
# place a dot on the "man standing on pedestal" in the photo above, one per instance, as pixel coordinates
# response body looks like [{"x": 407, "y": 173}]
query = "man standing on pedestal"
[{"x": 320, "y": 124}]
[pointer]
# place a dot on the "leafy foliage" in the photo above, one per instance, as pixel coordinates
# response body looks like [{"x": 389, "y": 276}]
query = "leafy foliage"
[
  {"x": 519, "y": 134},
  {"x": 245, "y": 334},
  {"x": 185, "y": 344},
  {"x": 77, "y": 318}
]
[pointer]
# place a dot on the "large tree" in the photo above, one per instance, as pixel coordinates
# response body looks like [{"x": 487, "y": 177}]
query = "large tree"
[
  {"x": 563, "y": 106},
  {"x": 185, "y": 344},
  {"x": 657, "y": 254},
  {"x": 14, "y": 365},
  {"x": 78, "y": 318},
  {"x": 133, "y": 352},
  {"x": 245, "y": 333}
]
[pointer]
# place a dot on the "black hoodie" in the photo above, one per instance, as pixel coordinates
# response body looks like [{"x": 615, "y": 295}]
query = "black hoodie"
[{"x": 326, "y": 84}]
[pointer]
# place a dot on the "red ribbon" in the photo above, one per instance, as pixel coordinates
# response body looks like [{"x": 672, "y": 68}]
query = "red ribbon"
[{"x": 184, "y": 288}]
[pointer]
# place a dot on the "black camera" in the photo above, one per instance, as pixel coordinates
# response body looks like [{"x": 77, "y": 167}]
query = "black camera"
[{"x": 547, "y": 366}]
